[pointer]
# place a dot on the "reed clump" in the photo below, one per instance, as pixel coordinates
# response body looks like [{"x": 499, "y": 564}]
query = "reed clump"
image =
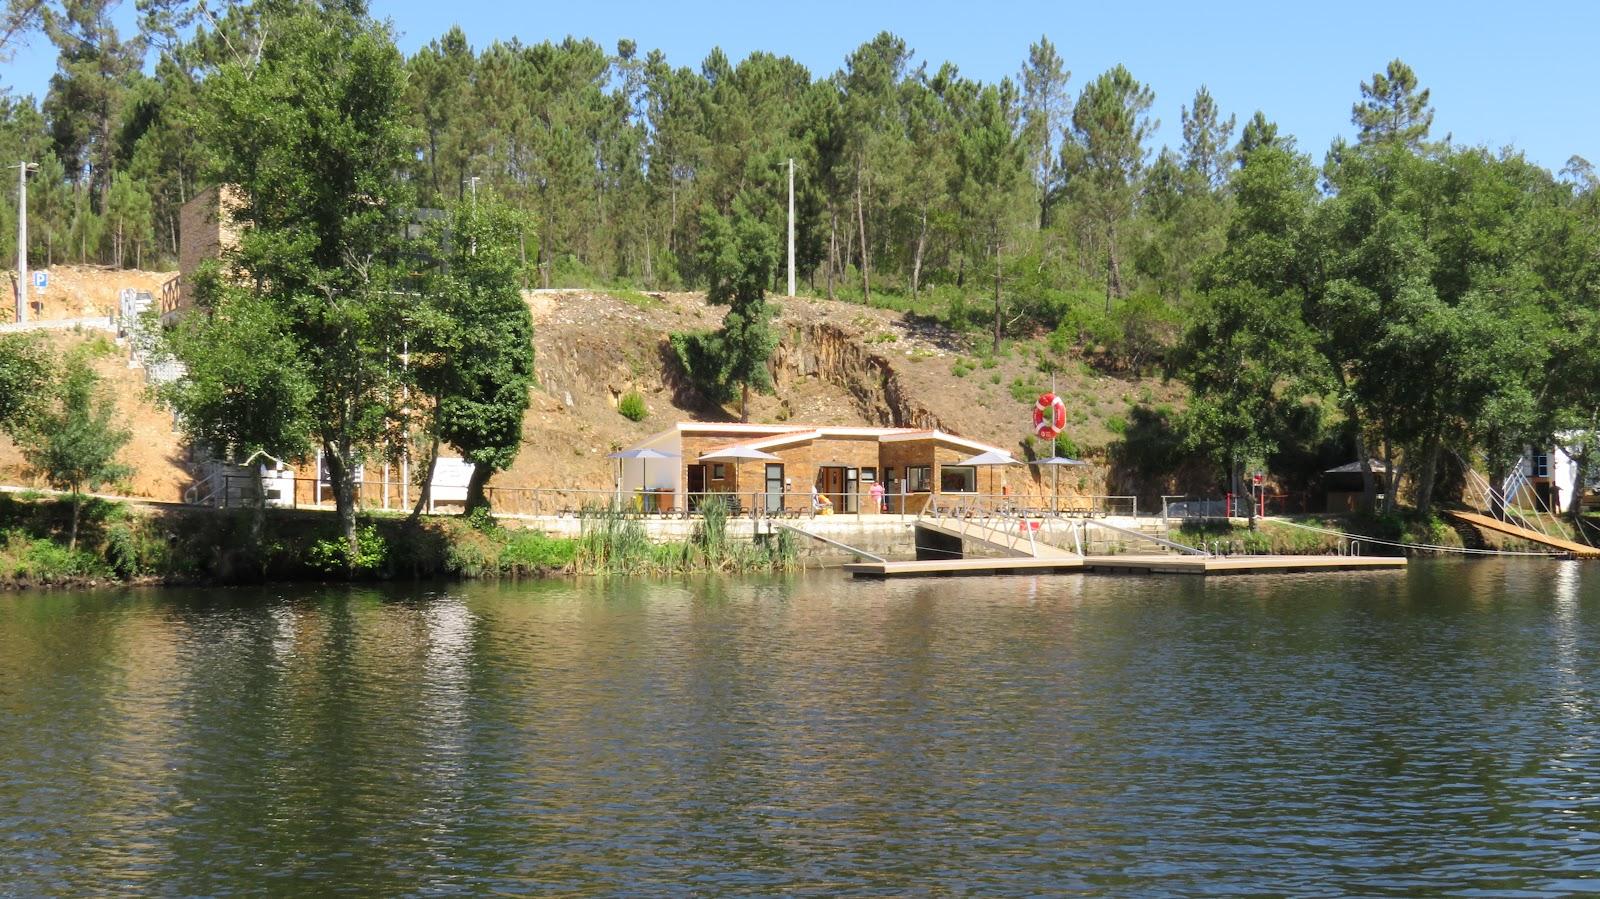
[{"x": 613, "y": 541}]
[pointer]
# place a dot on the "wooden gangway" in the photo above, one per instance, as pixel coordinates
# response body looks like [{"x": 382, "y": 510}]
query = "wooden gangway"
[
  {"x": 1016, "y": 537},
  {"x": 1577, "y": 550},
  {"x": 1160, "y": 563}
]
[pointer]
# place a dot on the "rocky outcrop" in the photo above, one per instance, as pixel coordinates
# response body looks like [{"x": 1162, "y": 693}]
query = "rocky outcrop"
[{"x": 836, "y": 355}]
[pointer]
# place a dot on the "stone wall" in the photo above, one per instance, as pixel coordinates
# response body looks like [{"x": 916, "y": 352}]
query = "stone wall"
[{"x": 205, "y": 230}]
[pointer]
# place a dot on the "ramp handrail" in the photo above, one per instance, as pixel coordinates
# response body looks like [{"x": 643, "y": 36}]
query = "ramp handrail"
[
  {"x": 1173, "y": 544},
  {"x": 830, "y": 541}
]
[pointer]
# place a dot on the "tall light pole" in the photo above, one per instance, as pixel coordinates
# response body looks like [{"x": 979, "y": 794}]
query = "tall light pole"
[
  {"x": 472, "y": 186},
  {"x": 791, "y": 227},
  {"x": 23, "y": 168}
]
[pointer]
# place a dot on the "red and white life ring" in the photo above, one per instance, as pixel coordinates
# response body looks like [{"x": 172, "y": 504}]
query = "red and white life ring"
[{"x": 1049, "y": 416}]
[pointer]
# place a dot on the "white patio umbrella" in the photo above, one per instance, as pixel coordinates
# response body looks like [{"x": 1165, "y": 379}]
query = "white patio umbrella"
[
  {"x": 1055, "y": 463},
  {"x": 737, "y": 454},
  {"x": 644, "y": 455},
  {"x": 991, "y": 460}
]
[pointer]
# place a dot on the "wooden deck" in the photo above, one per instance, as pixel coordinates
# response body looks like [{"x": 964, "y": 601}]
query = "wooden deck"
[
  {"x": 1126, "y": 564},
  {"x": 1176, "y": 564},
  {"x": 1578, "y": 550},
  {"x": 966, "y": 567}
]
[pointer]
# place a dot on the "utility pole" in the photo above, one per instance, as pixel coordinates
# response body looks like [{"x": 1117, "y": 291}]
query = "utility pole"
[
  {"x": 23, "y": 168},
  {"x": 791, "y": 227}
]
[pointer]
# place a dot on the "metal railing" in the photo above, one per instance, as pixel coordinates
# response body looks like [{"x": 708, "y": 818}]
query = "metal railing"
[
  {"x": 227, "y": 491},
  {"x": 234, "y": 491},
  {"x": 1201, "y": 509},
  {"x": 1033, "y": 505}
]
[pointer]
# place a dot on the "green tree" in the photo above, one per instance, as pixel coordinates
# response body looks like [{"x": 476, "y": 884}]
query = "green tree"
[
  {"x": 24, "y": 376},
  {"x": 740, "y": 255},
  {"x": 245, "y": 389},
  {"x": 439, "y": 92},
  {"x": 991, "y": 163},
  {"x": 315, "y": 136},
  {"x": 1106, "y": 157},
  {"x": 474, "y": 355},
  {"x": 872, "y": 134},
  {"x": 1247, "y": 360},
  {"x": 74, "y": 443},
  {"x": 88, "y": 94},
  {"x": 1045, "y": 106},
  {"x": 1258, "y": 134},
  {"x": 127, "y": 219},
  {"x": 17, "y": 19},
  {"x": 1206, "y": 136},
  {"x": 1391, "y": 109}
]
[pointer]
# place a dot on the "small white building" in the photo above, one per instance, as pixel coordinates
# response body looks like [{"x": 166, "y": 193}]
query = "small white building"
[{"x": 1545, "y": 478}]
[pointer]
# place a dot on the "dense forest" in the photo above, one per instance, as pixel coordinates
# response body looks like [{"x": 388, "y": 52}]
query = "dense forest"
[{"x": 1418, "y": 296}]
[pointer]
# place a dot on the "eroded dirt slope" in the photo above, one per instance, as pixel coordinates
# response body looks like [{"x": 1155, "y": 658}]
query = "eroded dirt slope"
[{"x": 838, "y": 363}]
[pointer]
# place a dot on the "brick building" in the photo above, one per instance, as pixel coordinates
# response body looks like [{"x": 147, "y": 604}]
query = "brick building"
[
  {"x": 842, "y": 463},
  {"x": 205, "y": 230}
]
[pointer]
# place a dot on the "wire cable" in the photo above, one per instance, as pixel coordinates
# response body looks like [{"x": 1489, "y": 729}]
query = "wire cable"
[{"x": 1434, "y": 547}]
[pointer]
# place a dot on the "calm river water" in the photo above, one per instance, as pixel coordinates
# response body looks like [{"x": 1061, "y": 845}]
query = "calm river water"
[{"x": 1431, "y": 731}]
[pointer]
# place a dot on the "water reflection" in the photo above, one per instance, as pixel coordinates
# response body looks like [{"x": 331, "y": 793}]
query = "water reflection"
[{"x": 1427, "y": 732}]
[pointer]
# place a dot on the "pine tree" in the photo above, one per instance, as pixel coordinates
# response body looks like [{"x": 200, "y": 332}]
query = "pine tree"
[
  {"x": 1205, "y": 140},
  {"x": 1110, "y": 125},
  {"x": 1392, "y": 110},
  {"x": 1045, "y": 104}
]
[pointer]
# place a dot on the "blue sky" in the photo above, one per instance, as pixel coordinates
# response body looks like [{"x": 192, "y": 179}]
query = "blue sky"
[{"x": 1522, "y": 74}]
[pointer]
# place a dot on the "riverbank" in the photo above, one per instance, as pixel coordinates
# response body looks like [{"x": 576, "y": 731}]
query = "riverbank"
[
  {"x": 1325, "y": 534},
  {"x": 123, "y": 543},
  {"x": 120, "y": 543}
]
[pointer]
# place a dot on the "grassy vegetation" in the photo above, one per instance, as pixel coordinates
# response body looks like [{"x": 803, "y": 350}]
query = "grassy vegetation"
[
  {"x": 117, "y": 543},
  {"x": 614, "y": 543},
  {"x": 1274, "y": 537}
]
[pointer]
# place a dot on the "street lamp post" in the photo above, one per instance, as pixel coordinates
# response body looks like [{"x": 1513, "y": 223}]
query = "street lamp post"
[
  {"x": 23, "y": 168},
  {"x": 791, "y": 227}
]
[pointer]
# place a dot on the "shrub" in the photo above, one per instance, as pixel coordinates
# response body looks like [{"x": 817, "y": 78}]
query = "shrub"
[
  {"x": 632, "y": 406},
  {"x": 332, "y": 557},
  {"x": 123, "y": 551}
]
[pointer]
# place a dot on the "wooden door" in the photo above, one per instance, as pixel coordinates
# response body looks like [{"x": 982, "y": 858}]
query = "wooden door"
[
  {"x": 832, "y": 486},
  {"x": 695, "y": 484}
]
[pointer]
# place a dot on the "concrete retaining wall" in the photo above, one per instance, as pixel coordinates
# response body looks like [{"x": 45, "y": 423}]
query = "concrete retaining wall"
[{"x": 890, "y": 536}]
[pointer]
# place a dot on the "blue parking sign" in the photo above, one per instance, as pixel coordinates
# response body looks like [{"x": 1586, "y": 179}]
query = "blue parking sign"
[{"x": 41, "y": 280}]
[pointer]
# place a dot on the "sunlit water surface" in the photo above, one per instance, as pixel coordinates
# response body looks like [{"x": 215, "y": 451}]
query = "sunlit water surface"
[{"x": 1433, "y": 731}]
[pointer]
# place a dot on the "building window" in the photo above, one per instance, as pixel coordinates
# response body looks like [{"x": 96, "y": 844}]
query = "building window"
[
  {"x": 1541, "y": 465},
  {"x": 958, "y": 479},
  {"x": 716, "y": 471},
  {"x": 918, "y": 478},
  {"x": 869, "y": 475}
]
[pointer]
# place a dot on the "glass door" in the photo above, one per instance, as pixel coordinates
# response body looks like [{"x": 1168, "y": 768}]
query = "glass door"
[{"x": 774, "y": 487}]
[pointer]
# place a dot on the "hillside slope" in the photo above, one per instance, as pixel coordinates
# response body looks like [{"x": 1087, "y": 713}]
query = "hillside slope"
[{"x": 837, "y": 363}]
